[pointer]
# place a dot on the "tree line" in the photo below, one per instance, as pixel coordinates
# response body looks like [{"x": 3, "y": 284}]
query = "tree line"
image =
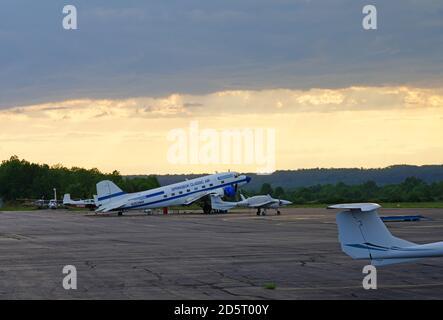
[
  {"x": 20, "y": 179},
  {"x": 411, "y": 189},
  {"x": 291, "y": 179}
]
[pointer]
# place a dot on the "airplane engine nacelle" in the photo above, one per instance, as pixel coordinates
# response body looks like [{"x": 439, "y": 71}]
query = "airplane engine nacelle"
[
  {"x": 220, "y": 192},
  {"x": 229, "y": 191}
]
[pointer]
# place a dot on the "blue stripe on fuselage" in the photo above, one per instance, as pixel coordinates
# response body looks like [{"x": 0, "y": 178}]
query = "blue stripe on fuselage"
[
  {"x": 111, "y": 196},
  {"x": 148, "y": 196}
]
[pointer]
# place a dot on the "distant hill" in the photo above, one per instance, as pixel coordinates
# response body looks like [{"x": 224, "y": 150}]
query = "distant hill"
[{"x": 291, "y": 179}]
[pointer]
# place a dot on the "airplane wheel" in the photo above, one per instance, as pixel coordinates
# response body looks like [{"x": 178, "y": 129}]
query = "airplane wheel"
[
  {"x": 258, "y": 212},
  {"x": 278, "y": 213},
  {"x": 120, "y": 214}
]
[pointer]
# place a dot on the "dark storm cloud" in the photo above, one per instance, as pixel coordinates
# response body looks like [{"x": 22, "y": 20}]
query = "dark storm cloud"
[{"x": 152, "y": 48}]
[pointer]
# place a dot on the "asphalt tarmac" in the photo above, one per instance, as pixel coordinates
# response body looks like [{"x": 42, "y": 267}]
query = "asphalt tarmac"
[{"x": 192, "y": 256}]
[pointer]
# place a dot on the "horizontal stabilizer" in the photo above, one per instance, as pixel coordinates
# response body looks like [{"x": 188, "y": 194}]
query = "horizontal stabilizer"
[
  {"x": 363, "y": 207},
  {"x": 111, "y": 206}
]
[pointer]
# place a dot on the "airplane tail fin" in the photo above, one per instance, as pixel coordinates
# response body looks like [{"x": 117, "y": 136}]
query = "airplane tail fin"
[
  {"x": 108, "y": 191},
  {"x": 218, "y": 204},
  {"x": 66, "y": 198},
  {"x": 363, "y": 235}
]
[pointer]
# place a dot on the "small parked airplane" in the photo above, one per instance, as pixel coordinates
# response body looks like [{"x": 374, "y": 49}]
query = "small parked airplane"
[
  {"x": 261, "y": 203},
  {"x": 42, "y": 203},
  {"x": 363, "y": 235},
  {"x": 112, "y": 198},
  {"x": 87, "y": 203}
]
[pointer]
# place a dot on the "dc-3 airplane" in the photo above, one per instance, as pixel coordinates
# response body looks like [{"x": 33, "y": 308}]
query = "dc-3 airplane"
[
  {"x": 112, "y": 198},
  {"x": 261, "y": 203},
  {"x": 87, "y": 203},
  {"x": 363, "y": 235}
]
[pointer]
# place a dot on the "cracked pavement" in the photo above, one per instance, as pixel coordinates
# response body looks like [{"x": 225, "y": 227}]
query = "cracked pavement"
[{"x": 194, "y": 256}]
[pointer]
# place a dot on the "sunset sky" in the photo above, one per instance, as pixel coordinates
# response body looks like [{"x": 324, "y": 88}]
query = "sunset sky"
[{"x": 108, "y": 94}]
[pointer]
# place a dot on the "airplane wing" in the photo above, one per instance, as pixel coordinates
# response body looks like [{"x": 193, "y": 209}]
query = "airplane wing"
[
  {"x": 196, "y": 197},
  {"x": 199, "y": 196},
  {"x": 261, "y": 205}
]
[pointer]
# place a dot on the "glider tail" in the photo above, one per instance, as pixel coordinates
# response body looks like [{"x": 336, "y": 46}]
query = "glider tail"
[
  {"x": 218, "y": 204},
  {"x": 363, "y": 235}
]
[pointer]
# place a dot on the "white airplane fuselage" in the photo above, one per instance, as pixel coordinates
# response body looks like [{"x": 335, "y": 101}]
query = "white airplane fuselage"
[
  {"x": 86, "y": 203},
  {"x": 434, "y": 249},
  {"x": 177, "y": 194},
  {"x": 80, "y": 203},
  {"x": 255, "y": 201}
]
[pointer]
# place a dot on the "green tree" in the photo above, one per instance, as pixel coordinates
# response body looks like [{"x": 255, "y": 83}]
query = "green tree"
[
  {"x": 22, "y": 179},
  {"x": 279, "y": 193},
  {"x": 266, "y": 189}
]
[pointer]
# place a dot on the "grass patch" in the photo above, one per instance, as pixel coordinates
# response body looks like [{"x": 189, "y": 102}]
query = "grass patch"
[
  {"x": 270, "y": 286},
  {"x": 308, "y": 205},
  {"x": 8, "y": 207}
]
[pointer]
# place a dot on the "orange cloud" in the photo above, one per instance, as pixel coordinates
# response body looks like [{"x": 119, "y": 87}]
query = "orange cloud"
[{"x": 349, "y": 127}]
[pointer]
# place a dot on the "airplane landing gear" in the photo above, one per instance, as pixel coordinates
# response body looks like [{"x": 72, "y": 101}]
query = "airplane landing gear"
[
  {"x": 120, "y": 213},
  {"x": 261, "y": 212},
  {"x": 278, "y": 212},
  {"x": 207, "y": 209}
]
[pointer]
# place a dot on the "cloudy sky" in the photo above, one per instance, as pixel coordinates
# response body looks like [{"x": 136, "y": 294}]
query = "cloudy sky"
[{"x": 108, "y": 94}]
